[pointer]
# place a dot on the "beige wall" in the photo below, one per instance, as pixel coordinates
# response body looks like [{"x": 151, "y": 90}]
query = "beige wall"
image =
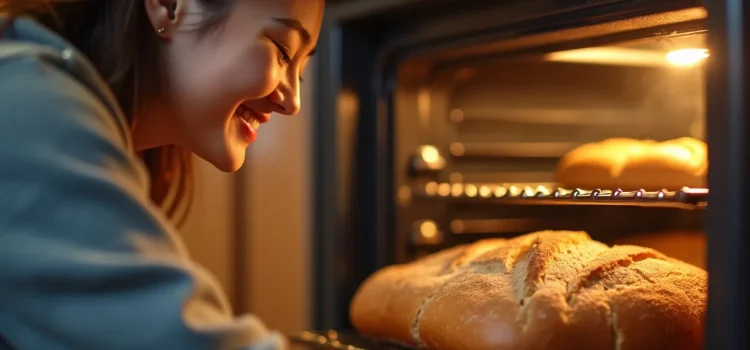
[
  {"x": 209, "y": 230},
  {"x": 277, "y": 223},
  {"x": 279, "y": 178}
]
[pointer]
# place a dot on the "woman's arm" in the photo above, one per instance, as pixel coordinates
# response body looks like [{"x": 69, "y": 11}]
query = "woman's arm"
[{"x": 86, "y": 262}]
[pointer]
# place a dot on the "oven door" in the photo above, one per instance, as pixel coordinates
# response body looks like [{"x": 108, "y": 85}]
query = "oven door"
[{"x": 363, "y": 47}]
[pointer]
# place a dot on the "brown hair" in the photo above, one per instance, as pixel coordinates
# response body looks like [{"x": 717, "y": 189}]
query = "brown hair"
[{"x": 117, "y": 36}]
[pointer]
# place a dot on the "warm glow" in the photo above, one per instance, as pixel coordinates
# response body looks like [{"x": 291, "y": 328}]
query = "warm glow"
[
  {"x": 687, "y": 57},
  {"x": 431, "y": 188},
  {"x": 471, "y": 190},
  {"x": 608, "y": 55},
  {"x": 457, "y": 190},
  {"x": 444, "y": 189},
  {"x": 485, "y": 191},
  {"x": 428, "y": 229},
  {"x": 430, "y": 154},
  {"x": 500, "y": 191},
  {"x": 630, "y": 57},
  {"x": 457, "y": 149}
]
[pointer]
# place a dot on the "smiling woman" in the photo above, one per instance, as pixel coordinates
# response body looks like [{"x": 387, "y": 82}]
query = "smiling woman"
[
  {"x": 278, "y": 44},
  {"x": 102, "y": 104}
]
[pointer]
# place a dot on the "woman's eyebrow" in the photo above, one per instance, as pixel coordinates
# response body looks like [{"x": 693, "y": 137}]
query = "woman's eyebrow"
[{"x": 296, "y": 26}]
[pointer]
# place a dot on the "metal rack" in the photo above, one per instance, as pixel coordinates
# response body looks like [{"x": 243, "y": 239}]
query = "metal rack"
[
  {"x": 332, "y": 339},
  {"x": 536, "y": 194}
]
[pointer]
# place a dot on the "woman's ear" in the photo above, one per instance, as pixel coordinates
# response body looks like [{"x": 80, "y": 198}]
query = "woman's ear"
[{"x": 165, "y": 15}]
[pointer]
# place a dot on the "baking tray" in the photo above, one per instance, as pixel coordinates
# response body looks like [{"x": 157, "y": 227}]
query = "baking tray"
[
  {"x": 341, "y": 340},
  {"x": 546, "y": 194}
]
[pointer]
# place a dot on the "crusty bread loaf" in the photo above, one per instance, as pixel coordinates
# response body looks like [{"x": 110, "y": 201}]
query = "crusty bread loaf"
[
  {"x": 546, "y": 290},
  {"x": 630, "y": 165},
  {"x": 685, "y": 245}
]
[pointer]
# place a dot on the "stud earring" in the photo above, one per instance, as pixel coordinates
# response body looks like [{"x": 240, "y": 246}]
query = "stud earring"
[{"x": 161, "y": 30}]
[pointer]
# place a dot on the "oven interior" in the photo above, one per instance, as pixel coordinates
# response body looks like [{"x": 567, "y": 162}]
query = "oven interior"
[
  {"x": 464, "y": 127},
  {"x": 465, "y": 119}
]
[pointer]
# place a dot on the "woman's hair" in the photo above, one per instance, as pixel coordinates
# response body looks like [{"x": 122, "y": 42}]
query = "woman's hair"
[{"x": 117, "y": 36}]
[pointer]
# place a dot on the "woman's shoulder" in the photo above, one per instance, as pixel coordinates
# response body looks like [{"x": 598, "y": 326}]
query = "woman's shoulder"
[
  {"x": 43, "y": 76},
  {"x": 55, "y": 111}
]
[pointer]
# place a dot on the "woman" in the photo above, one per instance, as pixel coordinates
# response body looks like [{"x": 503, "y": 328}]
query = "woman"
[{"x": 101, "y": 104}]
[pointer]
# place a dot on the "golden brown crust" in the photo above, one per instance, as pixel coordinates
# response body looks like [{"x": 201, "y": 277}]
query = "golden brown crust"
[
  {"x": 545, "y": 290},
  {"x": 685, "y": 245},
  {"x": 631, "y": 164},
  {"x": 388, "y": 302}
]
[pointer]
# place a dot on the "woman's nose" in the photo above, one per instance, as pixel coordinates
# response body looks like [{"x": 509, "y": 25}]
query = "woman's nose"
[{"x": 286, "y": 98}]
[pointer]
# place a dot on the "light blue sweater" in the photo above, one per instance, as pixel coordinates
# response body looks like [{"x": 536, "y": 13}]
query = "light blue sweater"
[{"x": 86, "y": 261}]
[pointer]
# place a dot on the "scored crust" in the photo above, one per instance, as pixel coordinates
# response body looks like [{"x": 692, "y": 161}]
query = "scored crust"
[
  {"x": 685, "y": 245},
  {"x": 388, "y": 303},
  {"x": 545, "y": 290},
  {"x": 631, "y": 164}
]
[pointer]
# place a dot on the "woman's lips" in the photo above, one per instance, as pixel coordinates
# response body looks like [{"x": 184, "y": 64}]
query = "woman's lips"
[{"x": 251, "y": 121}]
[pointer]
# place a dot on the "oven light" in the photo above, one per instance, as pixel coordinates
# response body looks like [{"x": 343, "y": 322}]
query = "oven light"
[
  {"x": 428, "y": 158},
  {"x": 430, "y": 154},
  {"x": 485, "y": 191},
  {"x": 428, "y": 229},
  {"x": 444, "y": 189},
  {"x": 471, "y": 190},
  {"x": 500, "y": 191},
  {"x": 431, "y": 188},
  {"x": 687, "y": 57},
  {"x": 457, "y": 190},
  {"x": 426, "y": 232},
  {"x": 609, "y": 56}
]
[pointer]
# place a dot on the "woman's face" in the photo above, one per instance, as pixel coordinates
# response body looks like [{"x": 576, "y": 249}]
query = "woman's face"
[{"x": 225, "y": 84}]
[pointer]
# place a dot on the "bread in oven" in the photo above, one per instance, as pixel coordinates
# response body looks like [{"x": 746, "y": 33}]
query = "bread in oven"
[
  {"x": 631, "y": 164},
  {"x": 546, "y": 290},
  {"x": 686, "y": 245}
]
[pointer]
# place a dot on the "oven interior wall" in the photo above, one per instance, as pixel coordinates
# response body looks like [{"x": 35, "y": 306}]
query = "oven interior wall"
[{"x": 509, "y": 120}]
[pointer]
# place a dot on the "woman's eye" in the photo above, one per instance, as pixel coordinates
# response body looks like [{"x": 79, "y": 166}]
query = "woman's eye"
[{"x": 283, "y": 54}]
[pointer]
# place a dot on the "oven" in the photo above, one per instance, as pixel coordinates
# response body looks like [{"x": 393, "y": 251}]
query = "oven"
[{"x": 442, "y": 122}]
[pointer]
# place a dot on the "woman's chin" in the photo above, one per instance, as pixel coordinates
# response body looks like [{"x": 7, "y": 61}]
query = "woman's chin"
[
  {"x": 231, "y": 166},
  {"x": 228, "y": 160},
  {"x": 233, "y": 163}
]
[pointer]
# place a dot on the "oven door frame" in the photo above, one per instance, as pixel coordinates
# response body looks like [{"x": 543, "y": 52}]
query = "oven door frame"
[
  {"x": 353, "y": 144},
  {"x": 728, "y": 134}
]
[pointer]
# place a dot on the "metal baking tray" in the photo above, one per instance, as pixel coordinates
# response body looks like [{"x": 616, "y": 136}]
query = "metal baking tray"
[
  {"x": 536, "y": 194},
  {"x": 340, "y": 340}
]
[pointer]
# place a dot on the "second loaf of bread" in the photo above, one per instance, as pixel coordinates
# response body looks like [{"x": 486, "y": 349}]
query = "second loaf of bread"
[
  {"x": 546, "y": 290},
  {"x": 631, "y": 164}
]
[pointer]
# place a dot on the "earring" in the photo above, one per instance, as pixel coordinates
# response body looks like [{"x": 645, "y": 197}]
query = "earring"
[{"x": 161, "y": 30}]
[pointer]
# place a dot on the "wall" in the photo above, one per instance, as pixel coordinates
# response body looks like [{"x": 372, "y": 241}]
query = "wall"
[
  {"x": 279, "y": 174},
  {"x": 209, "y": 231}
]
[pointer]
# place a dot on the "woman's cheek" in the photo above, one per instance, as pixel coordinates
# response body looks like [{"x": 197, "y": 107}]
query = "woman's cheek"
[{"x": 264, "y": 71}]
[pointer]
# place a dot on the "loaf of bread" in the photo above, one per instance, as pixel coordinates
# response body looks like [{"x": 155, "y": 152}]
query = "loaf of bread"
[
  {"x": 684, "y": 245},
  {"x": 546, "y": 290},
  {"x": 630, "y": 165}
]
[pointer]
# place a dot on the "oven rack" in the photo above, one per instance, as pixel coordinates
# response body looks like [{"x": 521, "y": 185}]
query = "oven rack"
[
  {"x": 524, "y": 193},
  {"x": 332, "y": 339}
]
